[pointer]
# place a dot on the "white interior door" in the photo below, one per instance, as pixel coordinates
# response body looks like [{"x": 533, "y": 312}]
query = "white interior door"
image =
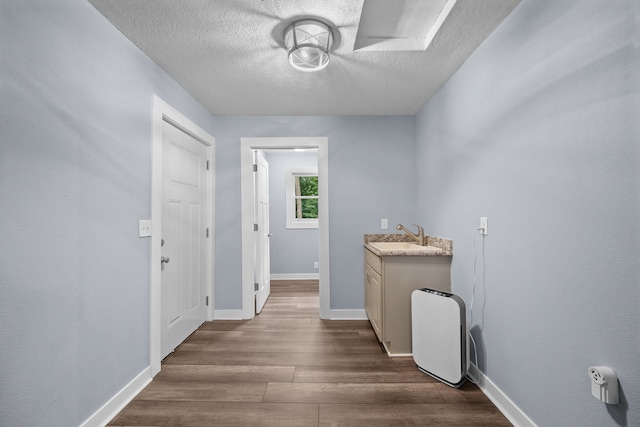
[
  {"x": 183, "y": 289},
  {"x": 261, "y": 235}
]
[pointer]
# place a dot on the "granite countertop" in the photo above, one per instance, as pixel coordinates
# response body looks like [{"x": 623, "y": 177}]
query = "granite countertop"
[{"x": 435, "y": 246}]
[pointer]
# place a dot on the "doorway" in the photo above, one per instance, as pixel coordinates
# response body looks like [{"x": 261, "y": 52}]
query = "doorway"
[{"x": 248, "y": 145}]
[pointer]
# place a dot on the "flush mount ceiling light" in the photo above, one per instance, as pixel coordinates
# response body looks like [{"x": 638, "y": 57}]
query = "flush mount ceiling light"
[{"x": 308, "y": 43}]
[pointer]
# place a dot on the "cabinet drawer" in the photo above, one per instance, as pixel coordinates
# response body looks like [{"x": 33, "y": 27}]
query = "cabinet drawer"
[{"x": 373, "y": 260}]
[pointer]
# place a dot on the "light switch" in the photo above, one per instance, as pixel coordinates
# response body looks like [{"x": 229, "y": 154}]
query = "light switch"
[
  {"x": 144, "y": 228},
  {"x": 384, "y": 223}
]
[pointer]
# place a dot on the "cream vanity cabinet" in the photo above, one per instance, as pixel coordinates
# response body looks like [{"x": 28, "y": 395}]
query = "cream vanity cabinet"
[{"x": 389, "y": 281}]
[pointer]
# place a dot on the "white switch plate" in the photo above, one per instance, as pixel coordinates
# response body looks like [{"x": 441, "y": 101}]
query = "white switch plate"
[
  {"x": 384, "y": 223},
  {"x": 144, "y": 228},
  {"x": 484, "y": 226},
  {"x": 315, "y": 265}
]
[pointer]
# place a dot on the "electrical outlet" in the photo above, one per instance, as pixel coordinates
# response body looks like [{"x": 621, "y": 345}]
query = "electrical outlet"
[
  {"x": 384, "y": 223},
  {"x": 596, "y": 376},
  {"x": 484, "y": 226},
  {"x": 144, "y": 228},
  {"x": 315, "y": 265},
  {"x": 604, "y": 384}
]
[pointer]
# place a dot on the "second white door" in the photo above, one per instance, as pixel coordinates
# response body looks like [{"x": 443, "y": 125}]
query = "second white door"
[{"x": 262, "y": 270}]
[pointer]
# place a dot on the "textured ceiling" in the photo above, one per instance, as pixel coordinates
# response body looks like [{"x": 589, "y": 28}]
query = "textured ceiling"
[{"x": 230, "y": 55}]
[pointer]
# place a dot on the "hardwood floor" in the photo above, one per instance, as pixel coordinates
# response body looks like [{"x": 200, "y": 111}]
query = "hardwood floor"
[{"x": 287, "y": 367}]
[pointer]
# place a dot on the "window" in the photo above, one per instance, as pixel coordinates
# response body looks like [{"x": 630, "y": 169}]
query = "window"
[{"x": 302, "y": 198}]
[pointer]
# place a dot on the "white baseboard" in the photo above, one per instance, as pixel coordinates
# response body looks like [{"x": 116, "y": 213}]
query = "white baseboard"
[
  {"x": 295, "y": 276},
  {"x": 509, "y": 409},
  {"x": 117, "y": 403},
  {"x": 333, "y": 315},
  {"x": 347, "y": 315},
  {"x": 227, "y": 314}
]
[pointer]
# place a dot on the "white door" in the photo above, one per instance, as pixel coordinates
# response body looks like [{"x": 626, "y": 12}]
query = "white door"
[
  {"x": 184, "y": 231},
  {"x": 262, "y": 270}
]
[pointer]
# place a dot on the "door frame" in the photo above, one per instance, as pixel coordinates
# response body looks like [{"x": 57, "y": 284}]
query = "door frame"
[
  {"x": 246, "y": 171},
  {"x": 163, "y": 112}
]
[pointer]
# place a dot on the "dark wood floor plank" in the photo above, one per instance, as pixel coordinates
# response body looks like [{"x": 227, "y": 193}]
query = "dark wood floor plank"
[
  {"x": 404, "y": 361},
  {"x": 215, "y": 337},
  {"x": 208, "y": 335},
  {"x": 352, "y": 393},
  {"x": 191, "y": 346},
  {"x": 232, "y": 325},
  {"x": 368, "y": 336},
  {"x": 302, "y": 336},
  {"x": 228, "y": 414},
  {"x": 185, "y": 357},
  {"x": 384, "y": 415},
  {"x": 282, "y": 319},
  {"x": 226, "y": 373},
  {"x": 316, "y": 326},
  {"x": 358, "y": 346},
  {"x": 313, "y": 374},
  {"x": 288, "y": 367},
  {"x": 468, "y": 393},
  {"x": 355, "y": 360},
  {"x": 265, "y": 346},
  {"x": 204, "y": 391}
]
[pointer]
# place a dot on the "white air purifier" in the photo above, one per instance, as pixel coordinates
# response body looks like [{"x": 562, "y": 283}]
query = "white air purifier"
[{"x": 439, "y": 335}]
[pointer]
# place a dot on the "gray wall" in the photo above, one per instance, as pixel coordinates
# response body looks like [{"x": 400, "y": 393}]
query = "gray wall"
[
  {"x": 539, "y": 132},
  {"x": 75, "y": 153},
  {"x": 371, "y": 176},
  {"x": 293, "y": 250}
]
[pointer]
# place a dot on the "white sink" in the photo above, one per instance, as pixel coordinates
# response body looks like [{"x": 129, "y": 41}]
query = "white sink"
[
  {"x": 396, "y": 245},
  {"x": 403, "y": 248}
]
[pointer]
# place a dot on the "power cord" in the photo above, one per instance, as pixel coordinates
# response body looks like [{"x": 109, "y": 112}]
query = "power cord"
[{"x": 473, "y": 293}]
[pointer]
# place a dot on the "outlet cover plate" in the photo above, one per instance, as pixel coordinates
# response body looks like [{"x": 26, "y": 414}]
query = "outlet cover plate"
[
  {"x": 144, "y": 228},
  {"x": 484, "y": 226}
]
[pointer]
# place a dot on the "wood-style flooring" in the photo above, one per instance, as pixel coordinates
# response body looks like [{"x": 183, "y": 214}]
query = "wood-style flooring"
[{"x": 287, "y": 367}]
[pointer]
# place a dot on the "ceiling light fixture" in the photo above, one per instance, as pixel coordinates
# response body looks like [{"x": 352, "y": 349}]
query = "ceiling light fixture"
[{"x": 308, "y": 43}]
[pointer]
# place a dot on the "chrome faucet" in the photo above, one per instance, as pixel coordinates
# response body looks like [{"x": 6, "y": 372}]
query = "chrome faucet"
[{"x": 419, "y": 237}]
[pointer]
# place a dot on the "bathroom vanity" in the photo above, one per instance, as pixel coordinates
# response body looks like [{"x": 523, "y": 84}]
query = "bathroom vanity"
[{"x": 395, "y": 267}]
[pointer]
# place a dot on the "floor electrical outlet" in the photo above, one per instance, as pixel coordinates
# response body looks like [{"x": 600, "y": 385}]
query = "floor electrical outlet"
[{"x": 484, "y": 226}]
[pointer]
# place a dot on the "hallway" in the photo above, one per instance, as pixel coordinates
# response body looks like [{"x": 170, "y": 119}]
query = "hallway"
[{"x": 287, "y": 367}]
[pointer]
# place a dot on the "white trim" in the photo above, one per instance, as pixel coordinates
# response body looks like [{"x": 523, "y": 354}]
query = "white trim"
[
  {"x": 295, "y": 276},
  {"x": 164, "y": 112},
  {"x": 291, "y": 221},
  {"x": 348, "y": 315},
  {"x": 121, "y": 399},
  {"x": 246, "y": 178},
  {"x": 228, "y": 315},
  {"x": 505, "y": 405}
]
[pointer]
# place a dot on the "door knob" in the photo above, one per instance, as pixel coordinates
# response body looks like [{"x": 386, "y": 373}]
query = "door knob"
[{"x": 164, "y": 260}]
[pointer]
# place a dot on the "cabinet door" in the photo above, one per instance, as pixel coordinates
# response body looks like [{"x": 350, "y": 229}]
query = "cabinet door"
[{"x": 373, "y": 299}]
